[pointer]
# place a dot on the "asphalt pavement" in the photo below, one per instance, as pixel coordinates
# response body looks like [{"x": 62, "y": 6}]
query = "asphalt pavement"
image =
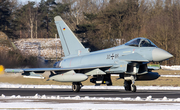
[{"x": 90, "y": 93}]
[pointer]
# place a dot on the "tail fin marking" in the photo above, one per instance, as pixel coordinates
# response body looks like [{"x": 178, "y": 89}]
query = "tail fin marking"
[{"x": 71, "y": 45}]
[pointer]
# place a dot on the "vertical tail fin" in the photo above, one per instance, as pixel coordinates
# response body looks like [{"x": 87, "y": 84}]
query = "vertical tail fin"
[{"x": 71, "y": 45}]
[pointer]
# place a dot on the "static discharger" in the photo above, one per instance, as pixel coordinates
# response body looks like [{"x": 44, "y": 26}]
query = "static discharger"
[{"x": 1, "y": 70}]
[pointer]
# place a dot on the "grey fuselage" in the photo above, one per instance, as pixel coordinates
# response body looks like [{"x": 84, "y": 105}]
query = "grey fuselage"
[
  {"x": 107, "y": 56},
  {"x": 112, "y": 56}
]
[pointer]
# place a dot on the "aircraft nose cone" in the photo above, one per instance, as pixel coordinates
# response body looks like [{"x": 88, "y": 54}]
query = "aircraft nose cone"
[{"x": 160, "y": 54}]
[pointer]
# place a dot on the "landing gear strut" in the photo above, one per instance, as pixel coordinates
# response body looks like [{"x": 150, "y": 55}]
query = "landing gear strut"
[
  {"x": 129, "y": 85},
  {"x": 133, "y": 88},
  {"x": 76, "y": 86}
]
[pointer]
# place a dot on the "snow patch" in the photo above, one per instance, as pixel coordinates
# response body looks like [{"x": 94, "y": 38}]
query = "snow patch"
[
  {"x": 46, "y": 48},
  {"x": 170, "y": 75},
  {"x": 88, "y": 106},
  {"x": 37, "y": 96},
  {"x": 7, "y": 85},
  {"x": 173, "y": 67}
]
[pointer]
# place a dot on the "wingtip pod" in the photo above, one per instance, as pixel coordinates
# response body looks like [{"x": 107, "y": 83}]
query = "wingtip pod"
[
  {"x": 57, "y": 18},
  {"x": 14, "y": 70},
  {"x": 1, "y": 69}
]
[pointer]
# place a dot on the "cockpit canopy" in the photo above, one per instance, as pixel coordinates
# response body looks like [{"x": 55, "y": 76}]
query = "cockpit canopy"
[{"x": 140, "y": 42}]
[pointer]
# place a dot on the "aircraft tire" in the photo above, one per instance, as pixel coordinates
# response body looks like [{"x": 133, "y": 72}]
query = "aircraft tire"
[
  {"x": 76, "y": 87},
  {"x": 133, "y": 88},
  {"x": 127, "y": 85}
]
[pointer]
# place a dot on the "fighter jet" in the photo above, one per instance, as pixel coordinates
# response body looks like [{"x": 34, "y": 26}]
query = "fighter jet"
[{"x": 129, "y": 61}]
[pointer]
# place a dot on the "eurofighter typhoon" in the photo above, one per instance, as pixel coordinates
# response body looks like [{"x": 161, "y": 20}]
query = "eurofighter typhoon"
[{"x": 129, "y": 61}]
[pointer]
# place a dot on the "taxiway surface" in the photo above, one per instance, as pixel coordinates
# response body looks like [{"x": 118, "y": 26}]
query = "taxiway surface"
[{"x": 90, "y": 93}]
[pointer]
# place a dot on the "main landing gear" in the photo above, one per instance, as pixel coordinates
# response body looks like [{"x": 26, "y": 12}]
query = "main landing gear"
[
  {"x": 129, "y": 85},
  {"x": 76, "y": 86}
]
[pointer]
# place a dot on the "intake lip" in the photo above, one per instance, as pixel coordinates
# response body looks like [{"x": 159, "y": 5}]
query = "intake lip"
[{"x": 160, "y": 54}]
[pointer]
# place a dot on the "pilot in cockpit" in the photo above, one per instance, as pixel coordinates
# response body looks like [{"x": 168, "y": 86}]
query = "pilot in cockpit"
[{"x": 141, "y": 42}]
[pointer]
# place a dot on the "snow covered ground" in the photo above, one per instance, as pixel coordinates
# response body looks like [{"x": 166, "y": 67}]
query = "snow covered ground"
[
  {"x": 87, "y": 106},
  {"x": 170, "y": 75},
  {"x": 46, "y": 48},
  {"x": 173, "y": 67},
  {"x": 51, "y": 102},
  {"x": 87, "y": 98},
  {"x": 7, "y": 85},
  {"x": 118, "y": 103},
  {"x": 161, "y": 75}
]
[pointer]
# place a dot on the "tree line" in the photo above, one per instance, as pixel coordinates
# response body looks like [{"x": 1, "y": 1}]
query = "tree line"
[{"x": 97, "y": 23}]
